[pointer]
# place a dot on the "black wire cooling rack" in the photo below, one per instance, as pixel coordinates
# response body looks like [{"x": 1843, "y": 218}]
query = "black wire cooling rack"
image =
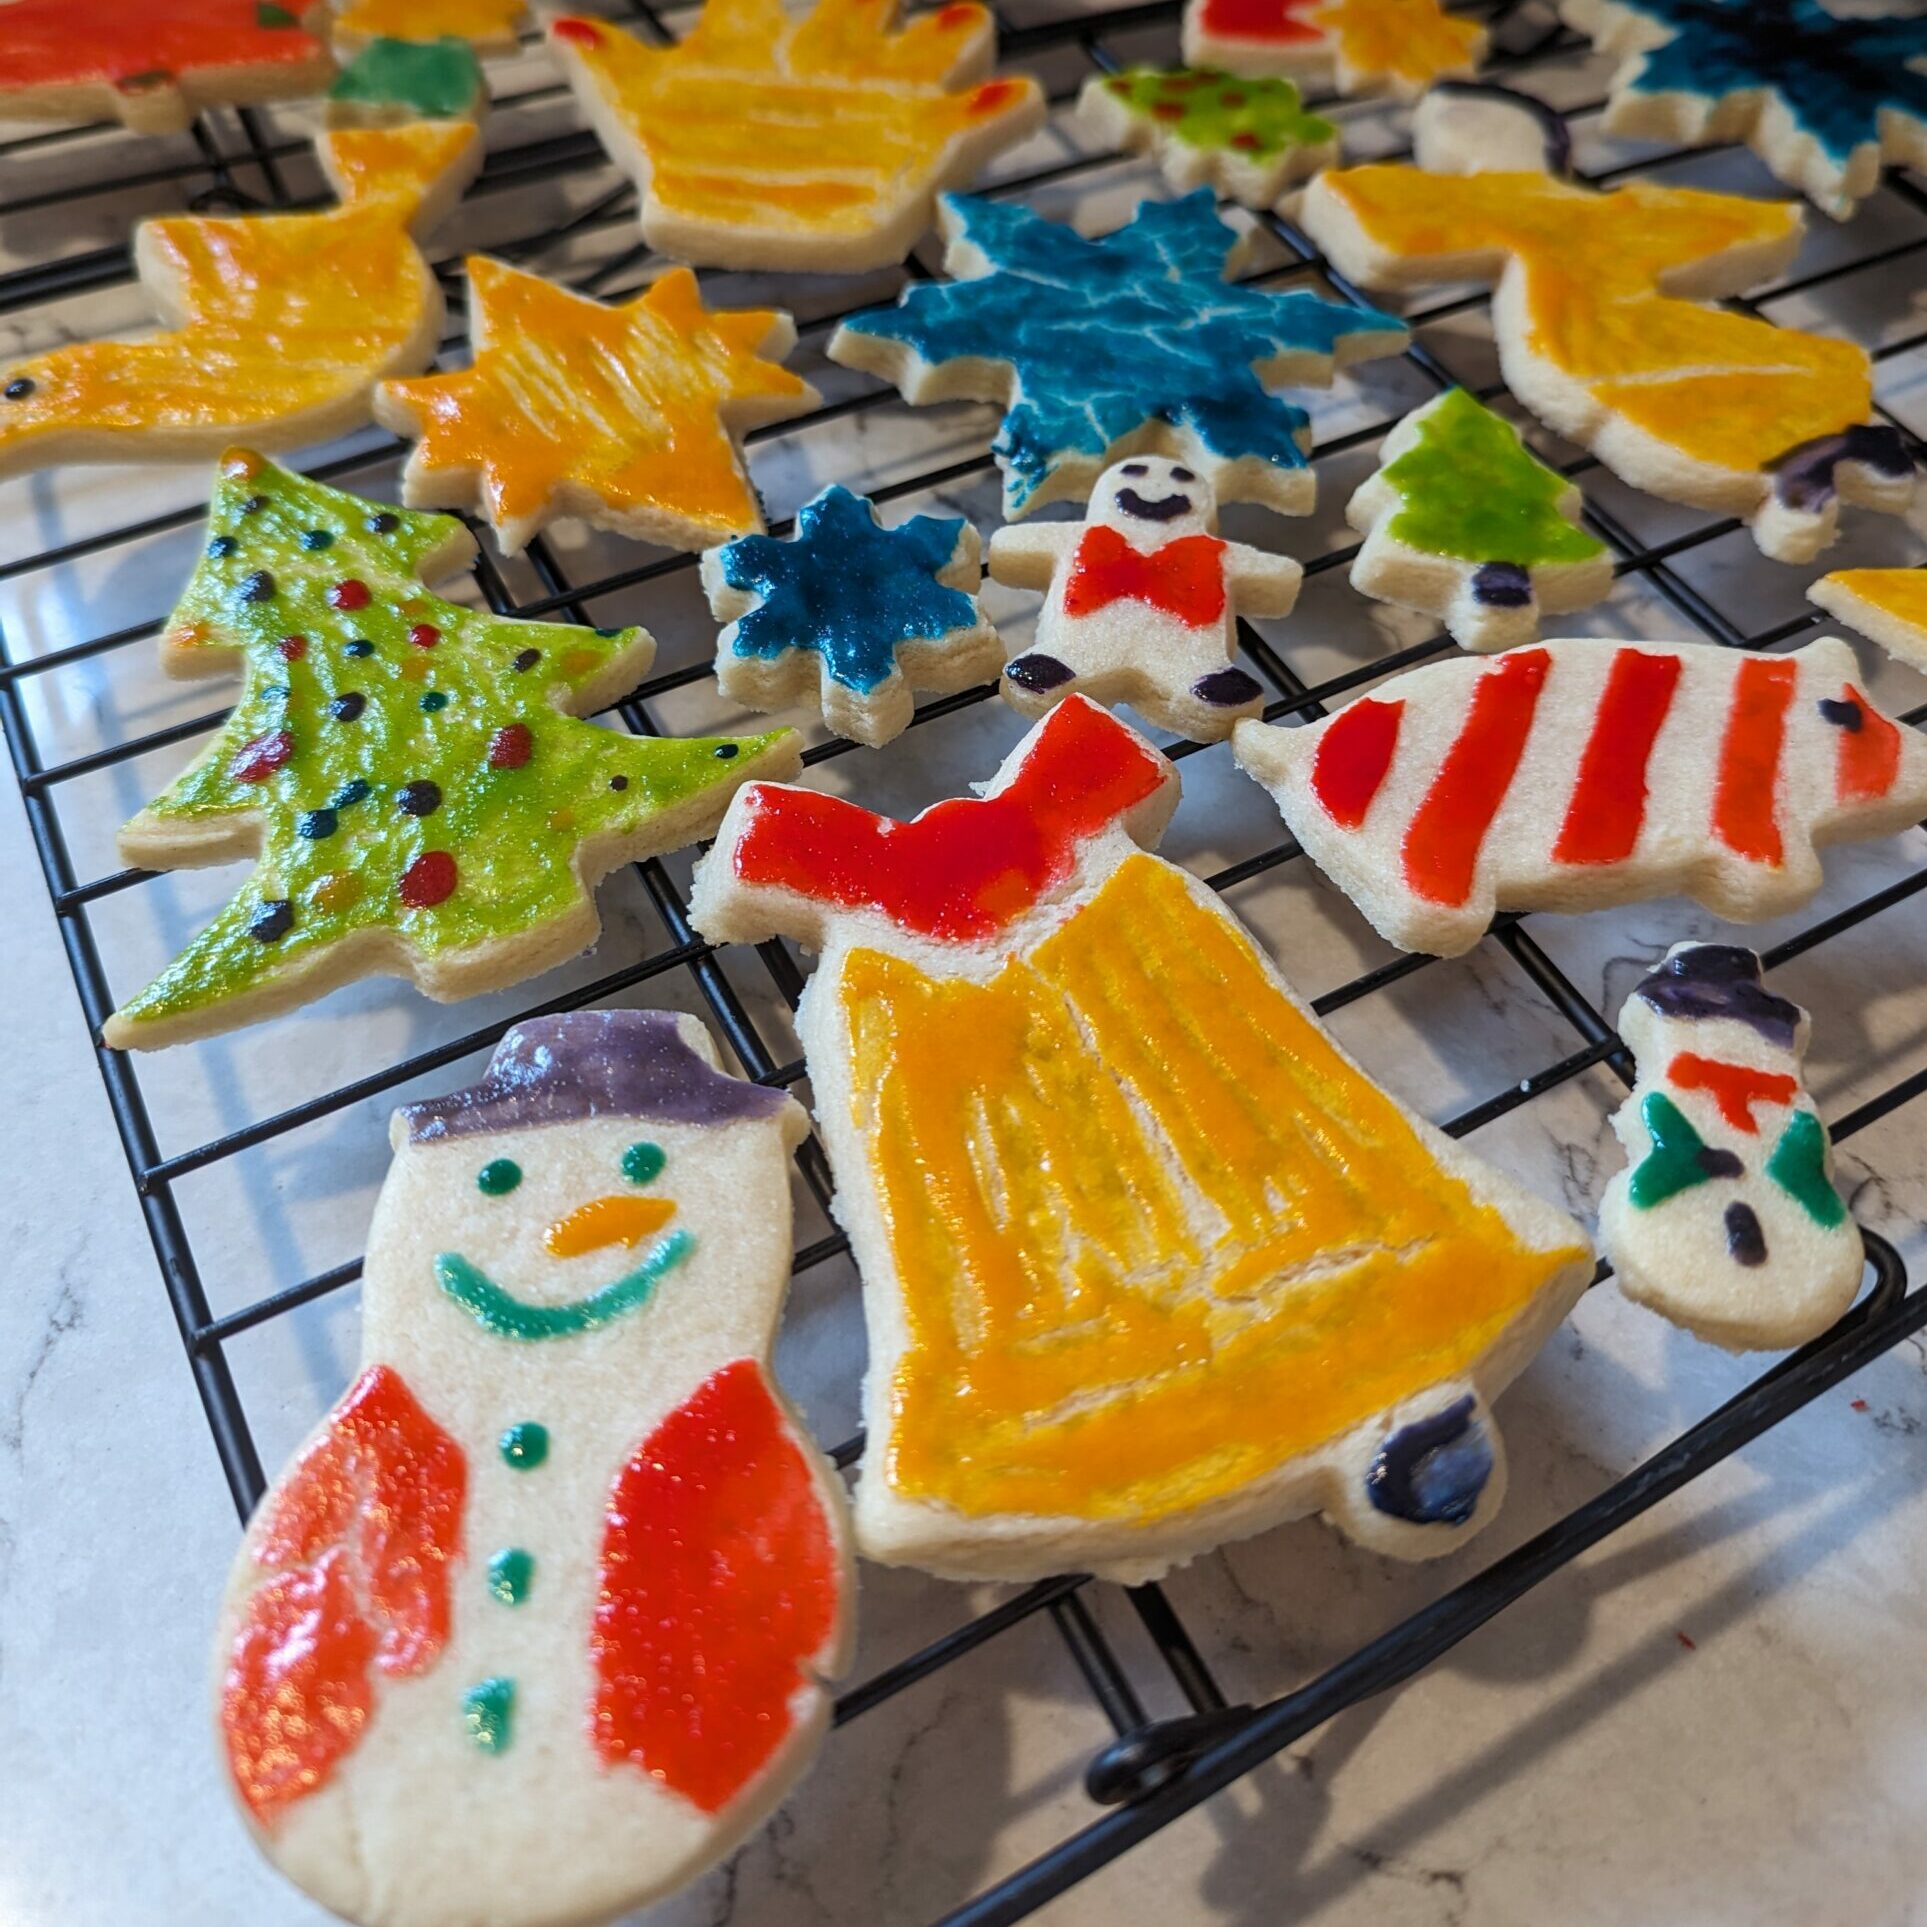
[{"x": 1154, "y": 1770}]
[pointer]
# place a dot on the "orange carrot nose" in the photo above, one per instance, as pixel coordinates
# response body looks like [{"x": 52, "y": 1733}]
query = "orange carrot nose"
[{"x": 607, "y": 1221}]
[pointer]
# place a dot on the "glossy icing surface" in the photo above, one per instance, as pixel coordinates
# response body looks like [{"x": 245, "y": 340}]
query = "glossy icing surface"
[
  {"x": 278, "y": 314},
  {"x": 1411, "y": 42},
  {"x": 831, "y": 125},
  {"x": 1746, "y": 814},
  {"x": 431, "y": 79},
  {"x": 1734, "y": 1088},
  {"x": 1107, "y": 335},
  {"x": 1182, "y": 579},
  {"x": 846, "y": 589},
  {"x": 356, "y": 794},
  {"x": 1353, "y": 758},
  {"x": 1712, "y": 980},
  {"x": 1221, "y": 112},
  {"x": 1607, "y": 807},
  {"x": 719, "y": 1589},
  {"x": 625, "y": 404},
  {"x": 64, "y": 43},
  {"x": 474, "y": 20},
  {"x": 1127, "y": 1154},
  {"x": 1900, "y": 594},
  {"x": 1469, "y": 488},
  {"x": 502, "y": 1313},
  {"x": 355, "y": 1550}
]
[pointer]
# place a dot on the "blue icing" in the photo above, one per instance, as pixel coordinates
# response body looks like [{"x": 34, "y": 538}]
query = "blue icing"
[
  {"x": 1832, "y": 75},
  {"x": 1108, "y": 335},
  {"x": 849, "y": 590},
  {"x": 1431, "y": 1472}
]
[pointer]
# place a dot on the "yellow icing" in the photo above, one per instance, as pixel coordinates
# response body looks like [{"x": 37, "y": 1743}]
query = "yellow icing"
[
  {"x": 831, "y": 125},
  {"x": 276, "y": 315},
  {"x": 620, "y": 401},
  {"x": 1719, "y": 387},
  {"x": 1414, "y": 42},
  {"x": 481, "y": 22},
  {"x": 1899, "y": 593},
  {"x": 1154, "y": 1236}
]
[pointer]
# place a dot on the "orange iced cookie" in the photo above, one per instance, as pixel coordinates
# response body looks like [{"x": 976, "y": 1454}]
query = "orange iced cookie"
[
  {"x": 1889, "y": 605},
  {"x": 487, "y": 25},
  {"x": 1354, "y": 46}
]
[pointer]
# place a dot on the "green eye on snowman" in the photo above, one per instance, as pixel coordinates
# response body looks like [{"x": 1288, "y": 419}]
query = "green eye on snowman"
[{"x": 641, "y": 1164}]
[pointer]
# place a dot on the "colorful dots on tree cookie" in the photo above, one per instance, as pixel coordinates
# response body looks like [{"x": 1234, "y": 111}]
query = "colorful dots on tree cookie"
[
  {"x": 411, "y": 783},
  {"x": 850, "y": 616},
  {"x": 1822, "y": 95},
  {"x": 814, "y": 143},
  {"x": 1355, "y": 46},
  {"x": 486, "y": 25},
  {"x": 1130, "y": 343},
  {"x": 613, "y": 1622},
  {"x": 155, "y": 65},
  {"x": 1148, "y": 1263},
  {"x": 1699, "y": 405},
  {"x": 391, "y": 82},
  {"x": 1890, "y": 605},
  {"x": 1463, "y": 522},
  {"x": 283, "y": 322},
  {"x": 1142, "y": 601},
  {"x": 629, "y": 416},
  {"x": 1727, "y": 1221},
  {"x": 1586, "y": 772},
  {"x": 1249, "y": 138}
]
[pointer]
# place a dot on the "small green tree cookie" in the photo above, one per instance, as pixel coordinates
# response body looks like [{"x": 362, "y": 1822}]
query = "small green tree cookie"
[
  {"x": 1250, "y": 139},
  {"x": 1463, "y": 522},
  {"x": 407, "y": 773}
]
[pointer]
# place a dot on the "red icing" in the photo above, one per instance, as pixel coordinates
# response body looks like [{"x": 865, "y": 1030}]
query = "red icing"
[
  {"x": 351, "y": 593},
  {"x": 1184, "y": 579},
  {"x": 1443, "y": 841},
  {"x": 1733, "y": 1087},
  {"x": 429, "y": 880},
  {"x": 292, "y": 648},
  {"x": 424, "y": 635},
  {"x": 994, "y": 96},
  {"x": 1608, "y": 802},
  {"x": 359, "y": 1536},
  {"x": 47, "y": 43},
  {"x": 578, "y": 33},
  {"x": 1745, "y": 793},
  {"x": 1281, "y": 22},
  {"x": 961, "y": 15},
  {"x": 1869, "y": 756},
  {"x": 510, "y": 747},
  {"x": 1352, "y": 757},
  {"x": 256, "y": 760},
  {"x": 966, "y": 867},
  {"x": 719, "y": 1588}
]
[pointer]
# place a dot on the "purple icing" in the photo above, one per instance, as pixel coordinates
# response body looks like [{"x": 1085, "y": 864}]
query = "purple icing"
[
  {"x": 1843, "y": 715},
  {"x": 1501, "y": 585},
  {"x": 1803, "y": 478},
  {"x": 1038, "y": 672},
  {"x": 1716, "y": 1163},
  {"x": 591, "y": 1063},
  {"x": 1558, "y": 137},
  {"x": 1226, "y": 687},
  {"x": 1720, "y": 980},
  {"x": 1744, "y": 1238},
  {"x": 1432, "y": 1471}
]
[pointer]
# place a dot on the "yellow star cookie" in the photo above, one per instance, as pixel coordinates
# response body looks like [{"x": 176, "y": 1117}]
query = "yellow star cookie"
[{"x": 626, "y": 416}]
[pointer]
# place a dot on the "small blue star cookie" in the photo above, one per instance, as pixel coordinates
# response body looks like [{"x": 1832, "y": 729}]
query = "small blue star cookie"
[{"x": 851, "y": 616}]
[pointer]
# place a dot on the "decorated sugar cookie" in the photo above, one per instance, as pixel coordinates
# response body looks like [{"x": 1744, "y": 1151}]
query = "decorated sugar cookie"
[
  {"x": 406, "y": 774},
  {"x": 561, "y": 1569},
  {"x": 851, "y": 616},
  {"x": 1727, "y": 1221},
  {"x": 1463, "y": 522},
  {"x": 1822, "y": 94},
  {"x": 154, "y": 65},
  {"x": 1142, "y": 601},
  {"x": 1128, "y": 344},
  {"x": 765, "y": 141},
  {"x": 1249, "y": 138},
  {"x": 394, "y": 81},
  {"x": 1588, "y": 772},
  {"x": 1890, "y": 605},
  {"x": 1353, "y": 46},
  {"x": 1695, "y": 403},
  {"x": 1148, "y": 1263},
  {"x": 282, "y": 323},
  {"x": 628, "y": 416},
  {"x": 486, "y": 25}
]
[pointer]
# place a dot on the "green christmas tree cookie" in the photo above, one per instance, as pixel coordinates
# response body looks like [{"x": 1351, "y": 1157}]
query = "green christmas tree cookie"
[
  {"x": 1250, "y": 139},
  {"x": 1463, "y": 522},
  {"x": 407, "y": 774}
]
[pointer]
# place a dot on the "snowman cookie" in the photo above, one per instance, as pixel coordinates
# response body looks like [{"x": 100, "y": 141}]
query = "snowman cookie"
[
  {"x": 536, "y": 1626},
  {"x": 1142, "y": 602},
  {"x": 1727, "y": 1221}
]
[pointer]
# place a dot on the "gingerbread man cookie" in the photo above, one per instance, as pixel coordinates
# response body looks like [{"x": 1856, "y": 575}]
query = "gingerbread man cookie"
[
  {"x": 1142, "y": 602},
  {"x": 1148, "y": 1262},
  {"x": 537, "y": 1625}
]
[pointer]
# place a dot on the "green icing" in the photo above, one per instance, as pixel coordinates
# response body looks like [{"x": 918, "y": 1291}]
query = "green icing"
[
  {"x": 432, "y": 79},
  {"x": 498, "y": 1177},
  {"x": 524, "y": 1446},
  {"x": 1202, "y": 108},
  {"x": 509, "y": 1574},
  {"x": 1676, "y": 1162},
  {"x": 1469, "y": 488},
  {"x": 642, "y": 1163},
  {"x": 361, "y": 779},
  {"x": 1799, "y": 1167},
  {"x": 487, "y": 1709},
  {"x": 507, "y": 1316}
]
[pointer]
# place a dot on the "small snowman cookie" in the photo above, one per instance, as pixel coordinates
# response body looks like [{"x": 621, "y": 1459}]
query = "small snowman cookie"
[
  {"x": 536, "y": 1626},
  {"x": 1728, "y": 1222},
  {"x": 1143, "y": 602}
]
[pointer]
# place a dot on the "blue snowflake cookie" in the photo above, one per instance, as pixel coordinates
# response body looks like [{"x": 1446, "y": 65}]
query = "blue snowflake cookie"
[
  {"x": 1130, "y": 343},
  {"x": 851, "y": 616}
]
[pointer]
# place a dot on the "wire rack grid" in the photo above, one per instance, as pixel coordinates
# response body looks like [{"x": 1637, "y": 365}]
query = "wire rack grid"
[{"x": 87, "y": 737}]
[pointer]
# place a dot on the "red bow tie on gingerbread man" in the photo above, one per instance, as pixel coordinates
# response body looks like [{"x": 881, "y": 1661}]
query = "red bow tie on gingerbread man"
[{"x": 1184, "y": 579}]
